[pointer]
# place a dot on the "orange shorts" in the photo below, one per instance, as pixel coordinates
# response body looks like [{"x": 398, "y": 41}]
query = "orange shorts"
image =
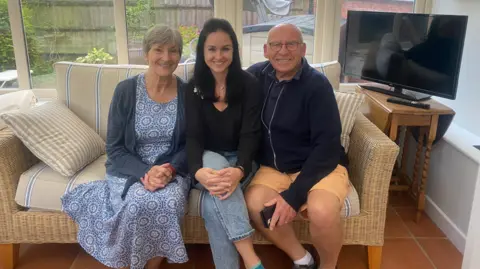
[{"x": 336, "y": 182}]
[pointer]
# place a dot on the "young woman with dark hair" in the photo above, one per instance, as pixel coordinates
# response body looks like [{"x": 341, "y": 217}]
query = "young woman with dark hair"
[{"x": 223, "y": 106}]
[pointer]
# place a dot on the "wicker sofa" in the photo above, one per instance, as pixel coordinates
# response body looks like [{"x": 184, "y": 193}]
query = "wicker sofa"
[{"x": 87, "y": 90}]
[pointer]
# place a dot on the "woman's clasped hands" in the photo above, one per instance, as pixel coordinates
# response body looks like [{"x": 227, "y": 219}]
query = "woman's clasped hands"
[
  {"x": 220, "y": 183},
  {"x": 157, "y": 177}
]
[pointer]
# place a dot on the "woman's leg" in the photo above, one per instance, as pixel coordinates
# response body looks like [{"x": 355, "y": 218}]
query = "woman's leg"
[
  {"x": 225, "y": 255},
  {"x": 230, "y": 216},
  {"x": 154, "y": 225}
]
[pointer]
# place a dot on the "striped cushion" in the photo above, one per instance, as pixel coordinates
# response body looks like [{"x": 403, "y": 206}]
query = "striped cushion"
[
  {"x": 348, "y": 104},
  {"x": 40, "y": 188},
  {"x": 56, "y": 136},
  {"x": 87, "y": 89},
  {"x": 331, "y": 70}
]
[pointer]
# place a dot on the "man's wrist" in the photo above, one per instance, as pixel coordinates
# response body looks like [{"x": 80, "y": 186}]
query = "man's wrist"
[{"x": 286, "y": 195}]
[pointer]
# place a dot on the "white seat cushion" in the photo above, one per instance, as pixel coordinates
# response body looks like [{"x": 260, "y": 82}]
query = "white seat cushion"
[{"x": 40, "y": 189}]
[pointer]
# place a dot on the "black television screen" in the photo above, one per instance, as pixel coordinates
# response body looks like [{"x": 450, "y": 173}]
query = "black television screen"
[{"x": 418, "y": 52}]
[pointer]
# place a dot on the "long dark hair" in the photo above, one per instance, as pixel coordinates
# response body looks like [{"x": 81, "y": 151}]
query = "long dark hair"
[{"x": 203, "y": 78}]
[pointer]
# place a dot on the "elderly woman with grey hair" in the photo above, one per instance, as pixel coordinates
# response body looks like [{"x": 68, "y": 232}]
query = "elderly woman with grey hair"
[{"x": 132, "y": 219}]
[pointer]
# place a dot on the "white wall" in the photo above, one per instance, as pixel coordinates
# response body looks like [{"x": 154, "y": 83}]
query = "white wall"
[
  {"x": 471, "y": 258},
  {"x": 453, "y": 173},
  {"x": 454, "y": 163},
  {"x": 468, "y": 94}
]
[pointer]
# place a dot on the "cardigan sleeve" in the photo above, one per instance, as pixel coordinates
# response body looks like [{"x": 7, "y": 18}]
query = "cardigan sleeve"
[
  {"x": 125, "y": 162},
  {"x": 250, "y": 132},
  {"x": 179, "y": 159}
]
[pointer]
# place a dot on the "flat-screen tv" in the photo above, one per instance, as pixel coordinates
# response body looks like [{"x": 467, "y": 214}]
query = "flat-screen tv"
[{"x": 417, "y": 55}]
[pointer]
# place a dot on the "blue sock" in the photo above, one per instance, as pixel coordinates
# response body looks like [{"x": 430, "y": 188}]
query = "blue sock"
[{"x": 258, "y": 266}]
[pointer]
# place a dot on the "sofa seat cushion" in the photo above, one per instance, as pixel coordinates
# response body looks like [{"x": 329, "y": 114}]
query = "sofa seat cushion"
[{"x": 40, "y": 189}]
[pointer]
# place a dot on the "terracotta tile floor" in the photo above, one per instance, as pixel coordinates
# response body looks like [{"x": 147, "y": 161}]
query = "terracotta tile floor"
[{"x": 407, "y": 246}]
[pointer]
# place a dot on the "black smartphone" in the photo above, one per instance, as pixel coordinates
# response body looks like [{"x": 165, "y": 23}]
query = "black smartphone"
[{"x": 266, "y": 215}]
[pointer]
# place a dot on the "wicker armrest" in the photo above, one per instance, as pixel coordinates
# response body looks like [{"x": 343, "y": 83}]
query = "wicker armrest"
[
  {"x": 15, "y": 158},
  {"x": 372, "y": 156}
]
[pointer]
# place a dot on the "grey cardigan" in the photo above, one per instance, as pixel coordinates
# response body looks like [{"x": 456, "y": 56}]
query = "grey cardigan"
[{"x": 122, "y": 158}]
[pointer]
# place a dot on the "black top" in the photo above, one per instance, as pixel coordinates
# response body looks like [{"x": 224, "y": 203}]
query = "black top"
[
  {"x": 302, "y": 128},
  {"x": 237, "y": 128}
]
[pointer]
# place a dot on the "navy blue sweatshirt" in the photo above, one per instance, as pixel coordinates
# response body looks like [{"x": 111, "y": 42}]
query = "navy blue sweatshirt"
[{"x": 301, "y": 128}]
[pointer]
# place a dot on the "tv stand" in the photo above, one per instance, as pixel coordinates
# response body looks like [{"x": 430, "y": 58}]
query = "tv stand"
[
  {"x": 399, "y": 92},
  {"x": 424, "y": 124}
]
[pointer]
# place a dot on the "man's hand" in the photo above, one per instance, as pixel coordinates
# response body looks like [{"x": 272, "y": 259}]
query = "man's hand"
[
  {"x": 230, "y": 175},
  {"x": 283, "y": 214}
]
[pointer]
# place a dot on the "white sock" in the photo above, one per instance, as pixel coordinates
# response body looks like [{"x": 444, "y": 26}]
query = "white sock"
[{"x": 306, "y": 260}]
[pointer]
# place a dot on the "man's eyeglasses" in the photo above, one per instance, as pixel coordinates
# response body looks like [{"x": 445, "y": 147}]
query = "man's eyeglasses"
[{"x": 291, "y": 46}]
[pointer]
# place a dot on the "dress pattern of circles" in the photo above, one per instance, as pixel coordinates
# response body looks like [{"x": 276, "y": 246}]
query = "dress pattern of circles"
[{"x": 129, "y": 232}]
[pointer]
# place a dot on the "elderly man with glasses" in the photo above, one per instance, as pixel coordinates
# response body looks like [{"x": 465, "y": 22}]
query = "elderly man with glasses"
[{"x": 303, "y": 166}]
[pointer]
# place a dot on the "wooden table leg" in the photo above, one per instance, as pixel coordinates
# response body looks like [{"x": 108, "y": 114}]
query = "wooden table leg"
[
  {"x": 403, "y": 165},
  {"x": 399, "y": 180},
  {"x": 393, "y": 133},
  {"x": 394, "y": 128},
  {"x": 416, "y": 167},
  {"x": 432, "y": 133}
]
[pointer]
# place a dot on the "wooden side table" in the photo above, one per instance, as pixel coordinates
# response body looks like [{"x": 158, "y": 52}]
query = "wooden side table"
[{"x": 389, "y": 117}]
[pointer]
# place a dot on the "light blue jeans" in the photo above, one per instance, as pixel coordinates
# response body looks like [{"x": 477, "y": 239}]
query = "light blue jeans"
[{"x": 226, "y": 221}]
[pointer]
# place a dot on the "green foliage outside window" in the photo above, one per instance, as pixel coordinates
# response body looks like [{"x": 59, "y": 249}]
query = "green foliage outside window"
[
  {"x": 96, "y": 57},
  {"x": 7, "y": 56}
]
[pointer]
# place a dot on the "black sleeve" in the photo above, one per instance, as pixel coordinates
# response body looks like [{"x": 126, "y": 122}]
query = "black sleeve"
[
  {"x": 126, "y": 162},
  {"x": 326, "y": 129},
  {"x": 250, "y": 133},
  {"x": 195, "y": 133}
]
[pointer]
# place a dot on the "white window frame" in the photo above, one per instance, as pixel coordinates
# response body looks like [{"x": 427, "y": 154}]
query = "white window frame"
[
  {"x": 19, "y": 44},
  {"x": 121, "y": 36},
  {"x": 326, "y": 34}
]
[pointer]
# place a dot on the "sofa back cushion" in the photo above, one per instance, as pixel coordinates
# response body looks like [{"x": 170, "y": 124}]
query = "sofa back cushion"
[
  {"x": 331, "y": 70},
  {"x": 87, "y": 89}
]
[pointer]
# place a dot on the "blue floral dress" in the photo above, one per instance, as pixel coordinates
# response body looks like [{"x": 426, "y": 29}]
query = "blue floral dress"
[{"x": 121, "y": 233}]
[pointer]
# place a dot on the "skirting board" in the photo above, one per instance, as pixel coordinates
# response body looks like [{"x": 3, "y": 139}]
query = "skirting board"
[{"x": 453, "y": 233}]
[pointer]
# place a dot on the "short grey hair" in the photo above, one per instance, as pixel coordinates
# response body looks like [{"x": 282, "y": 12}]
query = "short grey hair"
[{"x": 162, "y": 35}]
